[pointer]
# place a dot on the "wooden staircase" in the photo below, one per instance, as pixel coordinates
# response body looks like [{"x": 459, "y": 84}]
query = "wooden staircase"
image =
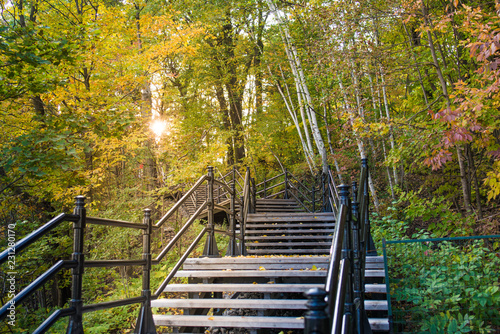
[{"x": 264, "y": 291}]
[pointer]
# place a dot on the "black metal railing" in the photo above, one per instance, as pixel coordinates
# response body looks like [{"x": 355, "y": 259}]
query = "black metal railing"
[
  {"x": 344, "y": 310},
  {"x": 312, "y": 194},
  {"x": 217, "y": 191}
]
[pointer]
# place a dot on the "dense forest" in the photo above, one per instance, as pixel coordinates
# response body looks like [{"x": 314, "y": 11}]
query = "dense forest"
[{"x": 128, "y": 102}]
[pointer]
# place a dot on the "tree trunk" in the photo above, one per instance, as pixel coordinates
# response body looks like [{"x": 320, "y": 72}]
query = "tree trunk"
[{"x": 444, "y": 88}]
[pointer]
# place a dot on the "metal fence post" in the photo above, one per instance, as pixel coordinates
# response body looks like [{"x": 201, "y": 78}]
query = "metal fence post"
[
  {"x": 145, "y": 323},
  {"x": 370, "y": 245},
  {"x": 75, "y": 325},
  {"x": 347, "y": 252},
  {"x": 286, "y": 184},
  {"x": 210, "y": 245},
  {"x": 232, "y": 249},
  {"x": 358, "y": 297},
  {"x": 254, "y": 195},
  {"x": 316, "y": 320}
]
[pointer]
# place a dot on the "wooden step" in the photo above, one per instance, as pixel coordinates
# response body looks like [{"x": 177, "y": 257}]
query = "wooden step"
[
  {"x": 289, "y": 244},
  {"x": 267, "y": 273},
  {"x": 246, "y": 322},
  {"x": 228, "y": 321},
  {"x": 271, "y": 304},
  {"x": 252, "y": 273},
  {"x": 290, "y": 237},
  {"x": 290, "y": 217},
  {"x": 289, "y": 225},
  {"x": 263, "y": 288},
  {"x": 288, "y": 251},
  {"x": 284, "y": 232},
  {"x": 275, "y": 200},
  {"x": 271, "y": 263}
]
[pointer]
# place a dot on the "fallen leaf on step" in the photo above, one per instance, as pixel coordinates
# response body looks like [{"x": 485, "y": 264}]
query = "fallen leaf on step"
[
  {"x": 210, "y": 318},
  {"x": 254, "y": 283},
  {"x": 262, "y": 268},
  {"x": 271, "y": 282},
  {"x": 314, "y": 267},
  {"x": 300, "y": 318}
]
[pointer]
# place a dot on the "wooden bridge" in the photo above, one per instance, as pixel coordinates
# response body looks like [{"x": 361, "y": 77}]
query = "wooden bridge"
[{"x": 300, "y": 258}]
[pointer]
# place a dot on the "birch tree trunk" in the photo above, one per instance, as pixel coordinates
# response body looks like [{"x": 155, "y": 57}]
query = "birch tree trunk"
[{"x": 301, "y": 85}]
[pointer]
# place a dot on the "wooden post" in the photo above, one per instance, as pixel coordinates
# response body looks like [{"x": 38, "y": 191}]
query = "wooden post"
[
  {"x": 145, "y": 323},
  {"x": 75, "y": 325}
]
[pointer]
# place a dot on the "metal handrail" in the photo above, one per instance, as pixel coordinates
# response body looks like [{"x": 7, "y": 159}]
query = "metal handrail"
[
  {"x": 338, "y": 314},
  {"x": 179, "y": 234},
  {"x": 33, "y": 286},
  {"x": 335, "y": 258},
  {"x": 297, "y": 180},
  {"x": 183, "y": 199},
  {"x": 178, "y": 264},
  {"x": 272, "y": 187},
  {"x": 79, "y": 219},
  {"x": 271, "y": 179},
  {"x": 300, "y": 202},
  {"x": 37, "y": 234},
  {"x": 115, "y": 223}
]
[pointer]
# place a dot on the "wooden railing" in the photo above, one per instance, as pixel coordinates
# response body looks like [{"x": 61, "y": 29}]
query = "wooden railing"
[
  {"x": 344, "y": 310},
  {"x": 77, "y": 263}
]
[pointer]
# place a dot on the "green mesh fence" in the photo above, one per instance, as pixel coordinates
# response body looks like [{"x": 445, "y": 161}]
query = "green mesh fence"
[{"x": 447, "y": 285}]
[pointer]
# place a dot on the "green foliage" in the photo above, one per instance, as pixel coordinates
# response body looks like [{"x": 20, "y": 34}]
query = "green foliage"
[{"x": 446, "y": 287}]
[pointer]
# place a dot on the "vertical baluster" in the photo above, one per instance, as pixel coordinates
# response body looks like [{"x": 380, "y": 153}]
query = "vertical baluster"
[
  {"x": 75, "y": 325},
  {"x": 145, "y": 323}
]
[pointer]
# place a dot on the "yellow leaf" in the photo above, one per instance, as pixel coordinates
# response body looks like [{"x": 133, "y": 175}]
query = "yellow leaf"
[
  {"x": 314, "y": 267},
  {"x": 210, "y": 318},
  {"x": 262, "y": 268}
]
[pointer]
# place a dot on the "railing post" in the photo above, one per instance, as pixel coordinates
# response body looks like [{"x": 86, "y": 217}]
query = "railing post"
[
  {"x": 232, "y": 249},
  {"x": 370, "y": 245},
  {"x": 316, "y": 320},
  {"x": 347, "y": 252},
  {"x": 254, "y": 196},
  {"x": 210, "y": 245},
  {"x": 75, "y": 325},
  {"x": 313, "y": 195},
  {"x": 265, "y": 190},
  {"x": 323, "y": 197},
  {"x": 145, "y": 323},
  {"x": 286, "y": 184},
  {"x": 358, "y": 292}
]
